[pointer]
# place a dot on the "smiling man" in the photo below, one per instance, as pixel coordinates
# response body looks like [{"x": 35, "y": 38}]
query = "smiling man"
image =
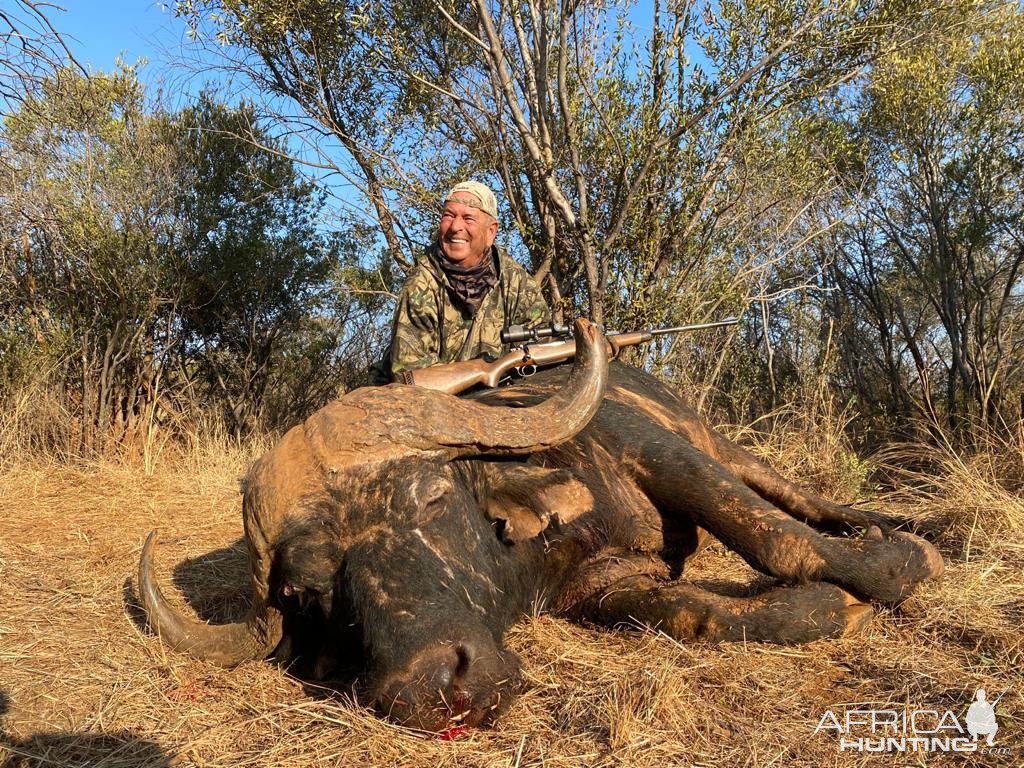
[{"x": 463, "y": 290}]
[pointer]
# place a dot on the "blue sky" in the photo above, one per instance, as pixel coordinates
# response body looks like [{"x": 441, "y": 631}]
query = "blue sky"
[{"x": 101, "y": 30}]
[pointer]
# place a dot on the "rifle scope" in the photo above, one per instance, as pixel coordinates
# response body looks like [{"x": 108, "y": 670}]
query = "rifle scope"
[{"x": 516, "y": 334}]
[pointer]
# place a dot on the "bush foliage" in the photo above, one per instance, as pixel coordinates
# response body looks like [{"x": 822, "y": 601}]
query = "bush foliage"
[{"x": 847, "y": 177}]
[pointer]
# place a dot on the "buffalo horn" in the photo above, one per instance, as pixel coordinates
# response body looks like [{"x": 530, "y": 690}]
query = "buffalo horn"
[
  {"x": 224, "y": 644},
  {"x": 473, "y": 428}
]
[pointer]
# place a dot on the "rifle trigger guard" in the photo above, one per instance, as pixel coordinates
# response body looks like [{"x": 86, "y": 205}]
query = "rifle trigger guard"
[{"x": 527, "y": 370}]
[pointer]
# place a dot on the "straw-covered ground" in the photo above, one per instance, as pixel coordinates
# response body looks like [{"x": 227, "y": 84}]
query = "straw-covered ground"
[{"x": 81, "y": 683}]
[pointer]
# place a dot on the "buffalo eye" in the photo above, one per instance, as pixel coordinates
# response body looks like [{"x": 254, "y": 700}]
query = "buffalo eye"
[
  {"x": 304, "y": 597},
  {"x": 431, "y": 493},
  {"x": 294, "y": 593}
]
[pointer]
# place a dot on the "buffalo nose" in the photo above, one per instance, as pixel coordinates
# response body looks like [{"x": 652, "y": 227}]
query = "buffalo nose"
[
  {"x": 441, "y": 667},
  {"x": 431, "y": 693},
  {"x": 437, "y": 673}
]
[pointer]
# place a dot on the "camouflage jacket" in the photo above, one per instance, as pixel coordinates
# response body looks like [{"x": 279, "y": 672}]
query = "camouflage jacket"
[{"x": 431, "y": 326}]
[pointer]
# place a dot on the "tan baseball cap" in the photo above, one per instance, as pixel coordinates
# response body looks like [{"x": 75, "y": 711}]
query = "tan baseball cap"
[{"x": 487, "y": 202}]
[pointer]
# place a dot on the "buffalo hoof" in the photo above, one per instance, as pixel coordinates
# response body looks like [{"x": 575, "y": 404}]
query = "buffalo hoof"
[
  {"x": 857, "y": 617},
  {"x": 888, "y": 566},
  {"x": 800, "y": 614}
]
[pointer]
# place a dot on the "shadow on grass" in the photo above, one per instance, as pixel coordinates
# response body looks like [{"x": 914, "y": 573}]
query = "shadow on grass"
[
  {"x": 216, "y": 585},
  {"x": 325, "y": 659},
  {"x": 78, "y": 750}
]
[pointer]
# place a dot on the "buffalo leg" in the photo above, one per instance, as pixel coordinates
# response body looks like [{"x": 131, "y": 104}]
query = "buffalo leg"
[
  {"x": 644, "y": 403},
  {"x": 684, "y": 611},
  {"x": 799, "y": 502},
  {"x": 682, "y": 480}
]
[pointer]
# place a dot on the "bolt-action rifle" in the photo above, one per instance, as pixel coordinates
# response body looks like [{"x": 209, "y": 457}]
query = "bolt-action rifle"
[{"x": 524, "y": 360}]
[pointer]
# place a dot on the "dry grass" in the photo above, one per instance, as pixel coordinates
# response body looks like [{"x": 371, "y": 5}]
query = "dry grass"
[
  {"x": 84, "y": 685},
  {"x": 810, "y": 442},
  {"x": 34, "y": 423}
]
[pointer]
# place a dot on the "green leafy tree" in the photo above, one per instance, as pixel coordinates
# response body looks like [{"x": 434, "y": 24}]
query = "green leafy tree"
[
  {"x": 627, "y": 157},
  {"x": 158, "y": 264},
  {"x": 87, "y": 198},
  {"x": 261, "y": 313},
  {"x": 931, "y": 267}
]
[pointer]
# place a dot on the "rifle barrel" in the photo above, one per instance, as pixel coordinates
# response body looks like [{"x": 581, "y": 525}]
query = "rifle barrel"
[
  {"x": 516, "y": 334},
  {"x": 696, "y": 327}
]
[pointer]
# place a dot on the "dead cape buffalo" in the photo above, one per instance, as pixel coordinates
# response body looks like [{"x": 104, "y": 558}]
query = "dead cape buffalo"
[{"x": 403, "y": 531}]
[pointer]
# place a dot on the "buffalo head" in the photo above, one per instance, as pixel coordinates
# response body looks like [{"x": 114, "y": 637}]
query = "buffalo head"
[{"x": 366, "y": 523}]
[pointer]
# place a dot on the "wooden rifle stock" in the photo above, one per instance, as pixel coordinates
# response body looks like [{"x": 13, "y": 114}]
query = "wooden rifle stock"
[
  {"x": 458, "y": 377},
  {"x": 454, "y": 378}
]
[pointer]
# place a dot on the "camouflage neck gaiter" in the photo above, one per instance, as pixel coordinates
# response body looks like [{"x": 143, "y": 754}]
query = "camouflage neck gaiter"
[{"x": 470, "y": 284}]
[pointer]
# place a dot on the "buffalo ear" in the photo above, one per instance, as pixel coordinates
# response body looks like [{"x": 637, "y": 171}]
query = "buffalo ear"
[{"x": 525, "y": 499}]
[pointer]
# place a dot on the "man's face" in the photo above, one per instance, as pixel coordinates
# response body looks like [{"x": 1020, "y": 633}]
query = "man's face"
[{"x": 467, "y": 233}]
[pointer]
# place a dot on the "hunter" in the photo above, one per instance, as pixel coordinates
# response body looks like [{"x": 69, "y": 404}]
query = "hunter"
[{"x": 462, "y": 290}]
